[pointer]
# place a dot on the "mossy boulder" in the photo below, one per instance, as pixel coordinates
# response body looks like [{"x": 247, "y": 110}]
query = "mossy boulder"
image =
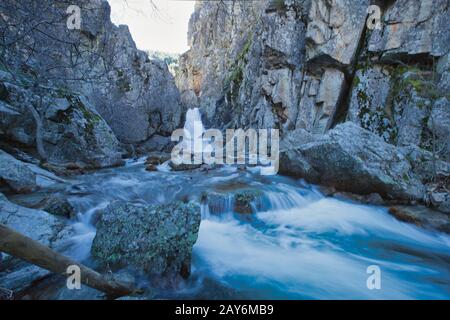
[
  {"x": 245, "y": 201},
  {"x": 156, "y": 239}
]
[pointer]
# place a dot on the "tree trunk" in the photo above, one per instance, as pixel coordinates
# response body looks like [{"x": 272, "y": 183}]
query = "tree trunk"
[
  {"x": 39, "y": 133},
  {"x": 20, "y": 246}
]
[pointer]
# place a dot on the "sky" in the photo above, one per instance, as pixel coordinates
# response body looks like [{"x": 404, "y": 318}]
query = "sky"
[{"x": 164, "y": 29}]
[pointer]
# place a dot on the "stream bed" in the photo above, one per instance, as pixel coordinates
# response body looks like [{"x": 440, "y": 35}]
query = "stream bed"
[{"x": 298, "y": 245}]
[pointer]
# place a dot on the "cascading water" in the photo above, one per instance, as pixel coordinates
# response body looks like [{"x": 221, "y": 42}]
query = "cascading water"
[
  {"x": 320, "y": 248},
  {"x": 299, "y": 243},
  {"x": 193, "y": 127}
]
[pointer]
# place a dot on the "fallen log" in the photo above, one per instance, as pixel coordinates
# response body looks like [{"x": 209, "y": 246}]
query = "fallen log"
[{"x": 22, "y": 247}]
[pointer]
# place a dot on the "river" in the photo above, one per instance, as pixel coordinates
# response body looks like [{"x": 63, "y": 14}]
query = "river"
[{"x": 298, "y": 245}]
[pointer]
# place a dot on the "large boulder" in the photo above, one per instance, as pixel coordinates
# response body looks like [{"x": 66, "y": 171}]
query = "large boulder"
[
  {"x": 440, "y": 200},
  {"x": 353, "y": 159},
  {"x": 41, "y": 226},
  {"x": 58, "y": 206},
  {"x": 156, "y": 239},
  {"x": 16, "y": 174}
]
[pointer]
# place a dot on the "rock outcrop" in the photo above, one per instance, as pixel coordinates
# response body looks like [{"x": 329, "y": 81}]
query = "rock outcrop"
[
  {"x": 156, "y": 239},
  {"x": 412, "y": 28}
]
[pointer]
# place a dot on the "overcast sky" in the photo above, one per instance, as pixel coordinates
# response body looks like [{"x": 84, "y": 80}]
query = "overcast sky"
[{"x": 162, "y": 30}]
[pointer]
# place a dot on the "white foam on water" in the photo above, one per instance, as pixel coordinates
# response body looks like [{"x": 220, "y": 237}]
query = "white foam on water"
[
  {"x": 165, "y": 167},
  {"x": 232, "y": 250},
  {"x": 300, "y": 253},
  {"x": 80, "y": 244},
  {"x": 332, "y": 215}
]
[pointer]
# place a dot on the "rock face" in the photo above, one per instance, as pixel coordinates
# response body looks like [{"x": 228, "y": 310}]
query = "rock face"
[
  {"x": 304, "y": 67},
  {"x": 404, "y": 105},
  {"x": 286, "y": 69},
  {"x": 439, "y": 125},
  {"x": 303, "y": 64},
  {"x": 217, "y": 36},
  {"x": 85, "y": 76},
  {"x": 40, "y": 226},
  {"x": 16, "y": 174},
  {"x": 413, "y": 27},
  {"x": 70, "y": 128},
  {"x": 155, "y": 239}
]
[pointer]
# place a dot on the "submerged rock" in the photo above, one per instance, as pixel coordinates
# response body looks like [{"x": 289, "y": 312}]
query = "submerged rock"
[
  {"x": 422, "y": 217},
  {"x": 183, "y": 167},
  {"x": 151, "y": 167},
  {"x": 245, "y": 201},
  {"x": 157, "y": 158},
  {"x": 242, "y": 201},
  {"x": 156, "y": 239},
  {"x": 16, "y": 174},
  {"x": 58, "y": 206}
]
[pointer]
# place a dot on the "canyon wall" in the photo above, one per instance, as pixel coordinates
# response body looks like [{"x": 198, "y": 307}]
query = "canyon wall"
[{"x": 301, "y": 64}]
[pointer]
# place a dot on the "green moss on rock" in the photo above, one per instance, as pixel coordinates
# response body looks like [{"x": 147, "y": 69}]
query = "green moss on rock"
[{"x": 232, "y": 83}]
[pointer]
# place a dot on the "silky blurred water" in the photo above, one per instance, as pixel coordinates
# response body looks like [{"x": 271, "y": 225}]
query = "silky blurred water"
[{"x": 298, "y": 245}]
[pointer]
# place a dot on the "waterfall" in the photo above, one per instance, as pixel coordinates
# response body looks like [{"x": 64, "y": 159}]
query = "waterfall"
[
  {"x": 285, "y": 197},
  {"x": 193, "y": 130}
]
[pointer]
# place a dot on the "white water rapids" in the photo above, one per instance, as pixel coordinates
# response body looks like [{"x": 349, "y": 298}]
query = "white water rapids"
[{"x": 299, "y": 244}]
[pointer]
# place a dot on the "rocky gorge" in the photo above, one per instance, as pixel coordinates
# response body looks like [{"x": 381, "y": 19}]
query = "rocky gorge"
[
  {"x": 364, "y": 119},
  {"x": 315, "y": 71}
]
